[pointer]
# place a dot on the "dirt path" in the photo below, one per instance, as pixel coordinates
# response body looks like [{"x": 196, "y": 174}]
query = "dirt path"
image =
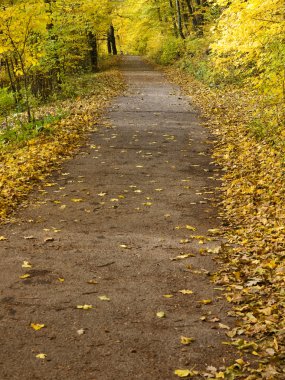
[{"x": 111, "y": 216}]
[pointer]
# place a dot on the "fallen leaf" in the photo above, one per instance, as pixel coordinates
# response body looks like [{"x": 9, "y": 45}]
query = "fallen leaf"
[
  {"x": 125, "y": 246},
  {"x": 191, "y": 228},
  {"x": 214, "y": 231},
  {"x": 185, "y": 373},
  {"x": 186, "y": 291},
  {"x": 168, "y": 295},
  {"x": 222, "y": 326},
  {"x": 61, "y": 279},
  {"x": 92, "y": 282},
  {"x": 41, "y": 356},
  {"x": 2, "y": 238},
  {"x": 215, "y": 319},
  {"x": 181, "y": 257},
  {"x": 160, "y": 314},
  {"x": 26, "y": 264},
  {"x": 186, "y": 341},
  {"x": 84, "y": 307},
  {"x": 37, "y": 326},
  {"x": 77, "y": 200},
  {"x": 104, "y": 298},
  {"x": 205, "y": 302},
  {"x": 24, "y": 276},
  {"x": 80, "y": 331},
  {"x": 48, "y": 239}
]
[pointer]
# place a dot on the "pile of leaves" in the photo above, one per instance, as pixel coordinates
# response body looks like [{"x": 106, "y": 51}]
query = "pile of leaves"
[
  {"x": 253, "y": 266},
  {"x": 24, "y": 164}
]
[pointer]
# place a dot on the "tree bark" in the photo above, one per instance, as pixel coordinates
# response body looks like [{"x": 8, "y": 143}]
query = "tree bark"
[
  {"x": 179, "y": 20},
  {"x": 112, "y": 48},
  {"x": 173, "y": 18},
  {"x": 93, "y": 51}
]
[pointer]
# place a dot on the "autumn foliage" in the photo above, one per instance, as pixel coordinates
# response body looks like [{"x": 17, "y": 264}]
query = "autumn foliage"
[{"x": 229, "y": 56}]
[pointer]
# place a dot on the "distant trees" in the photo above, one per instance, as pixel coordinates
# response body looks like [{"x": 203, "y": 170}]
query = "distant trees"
[
  {"x": 225, "y": 41},
  {"x": 43, "y": 41}
]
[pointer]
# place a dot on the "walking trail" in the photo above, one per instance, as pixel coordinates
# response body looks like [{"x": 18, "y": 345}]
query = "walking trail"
[{"x": 106, "y": 231}]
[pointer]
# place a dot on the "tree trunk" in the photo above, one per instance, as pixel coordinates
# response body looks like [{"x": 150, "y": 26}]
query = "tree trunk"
[
  {"x": 179, "y": 20},
  {"x": 191, "y": 12},
  {"x": 112, "y": 48},
  {"x": 173, "y": 18},
  {"x": 93, "y": 52},
  {"x": 12, "y": 84}
]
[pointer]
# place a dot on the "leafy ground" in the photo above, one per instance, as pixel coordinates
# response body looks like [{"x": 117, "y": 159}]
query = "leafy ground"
[
  {"x": 253, "y": 189},
  {"x": 148, "y": 218},
  {"x": 106, "y": 272},
  {"x": 28, "y": 155}
]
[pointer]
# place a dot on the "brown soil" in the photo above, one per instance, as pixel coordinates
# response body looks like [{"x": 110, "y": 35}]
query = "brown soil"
[{"x": 110, "y": 216}]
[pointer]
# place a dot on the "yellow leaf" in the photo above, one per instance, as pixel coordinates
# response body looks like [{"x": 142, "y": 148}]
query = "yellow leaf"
[
  {"x": 186, "y": 341},
  {"x": 186, "y": 291},
  {"x": 61, "y": 279},
  {"x": 185, "y": 373},
  {"x": 190, "y": 228},
  {"x": 92, "y": 282},
  {"x": 41, "y": 356},
  {"x": 181, "y": 257},
  {"x": 84, "y": 307},
  {"x": 240, "y": 361},
  {"x": 25, "y": 276},
  {"x": 104, "y": 298},
  {"x": 206, "y": 302},
  {"x": 222, "y": 326},
  {"x": 168, "y": 295},
  {"x": 2, "y": 238},
  {"x": 160, "y": 314},
  {"x": 26, "y": 264},
  {"x": 76, "y": 200},
  {"x": 37, "y": 326},
  {"x": 125, "y": 246}
]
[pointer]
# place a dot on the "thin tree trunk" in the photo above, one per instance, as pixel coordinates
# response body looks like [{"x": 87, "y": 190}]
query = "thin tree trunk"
[
  {"x": 191, "y": 13},
  {"x": 93, "y": 52},
  {"x": 179, "y": 20},
  {"x": 12, "y": 84},
  {"x": 112, "y": 48},
  {"x": 173, "y": 18}
]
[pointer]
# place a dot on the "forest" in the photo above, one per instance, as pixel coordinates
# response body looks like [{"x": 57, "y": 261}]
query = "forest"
[{"x": 59, "y": 68}]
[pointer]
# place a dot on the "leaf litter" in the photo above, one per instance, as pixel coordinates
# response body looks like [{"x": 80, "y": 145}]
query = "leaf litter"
[{"x": 253, "y": 259}]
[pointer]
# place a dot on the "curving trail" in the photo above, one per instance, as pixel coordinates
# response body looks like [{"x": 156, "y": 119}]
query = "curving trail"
[{"x": 110, "y": 217}]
